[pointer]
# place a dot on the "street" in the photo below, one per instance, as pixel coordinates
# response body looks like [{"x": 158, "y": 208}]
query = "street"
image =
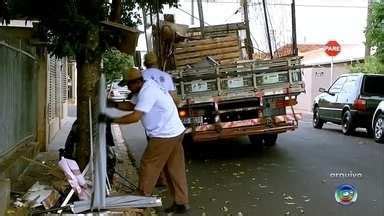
[{"x": 298, "y": 176}]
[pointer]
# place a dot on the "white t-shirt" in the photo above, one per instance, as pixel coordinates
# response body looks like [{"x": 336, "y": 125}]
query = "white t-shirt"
[
  {"x": 161, "y": 77},
  {"x": 161, "y": 118}
]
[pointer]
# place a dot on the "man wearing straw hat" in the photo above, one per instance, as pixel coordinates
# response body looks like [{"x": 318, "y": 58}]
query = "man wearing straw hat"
[
  {"x": 158, "y": 113},
  {"x": 165, "y": 81}
]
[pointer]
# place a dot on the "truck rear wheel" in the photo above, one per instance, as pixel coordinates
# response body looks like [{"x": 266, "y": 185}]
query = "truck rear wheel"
[
  {"x": 270, "y": 139},
  {"x": 257, "y": 141},
  {"x": 187, "y": 145}
]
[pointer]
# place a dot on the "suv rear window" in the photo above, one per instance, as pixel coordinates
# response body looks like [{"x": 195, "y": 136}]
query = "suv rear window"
[{"x": 373, "y": 85}]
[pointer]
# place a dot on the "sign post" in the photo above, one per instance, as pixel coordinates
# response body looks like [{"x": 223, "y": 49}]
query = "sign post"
[
  {"x": 331, "y": 80},
  {"x": 332, "y": 49}
]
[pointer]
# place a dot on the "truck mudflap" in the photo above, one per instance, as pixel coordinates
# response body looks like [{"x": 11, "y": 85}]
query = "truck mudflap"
[{"x": 225, "y": 130}]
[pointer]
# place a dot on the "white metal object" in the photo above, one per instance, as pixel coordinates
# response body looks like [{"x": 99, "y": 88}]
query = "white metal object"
[
  {"x": 120, "y": 202},
  {"x": 99, "y": 157}
]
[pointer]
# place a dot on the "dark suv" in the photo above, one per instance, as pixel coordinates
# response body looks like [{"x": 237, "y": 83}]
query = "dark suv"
[{"x": 350, "y": 101}]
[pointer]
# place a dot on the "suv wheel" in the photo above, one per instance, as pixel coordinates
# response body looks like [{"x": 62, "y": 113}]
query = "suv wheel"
[
  {"x": 347, "y": 124},
  {"x": 316, "y": 121},
  {"x": 379, "y": 129}
]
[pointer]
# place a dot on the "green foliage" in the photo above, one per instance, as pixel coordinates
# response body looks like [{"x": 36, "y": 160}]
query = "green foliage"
[
  {"x": 375, "y": 29},
  {"x": 131, "y": 15},
  {"x": 72, "y": 27},
  {"x": 115, "y": 63},
  {"x": 371, "y": 65}
]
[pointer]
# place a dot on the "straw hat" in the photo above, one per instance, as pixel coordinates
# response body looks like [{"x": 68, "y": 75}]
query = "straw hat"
[
  {"x": 150, "y": 59},
  {"x": 132, "y": 74}
]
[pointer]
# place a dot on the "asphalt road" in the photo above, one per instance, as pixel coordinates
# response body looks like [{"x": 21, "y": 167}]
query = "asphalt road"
[{"x": 296, "y": 177}]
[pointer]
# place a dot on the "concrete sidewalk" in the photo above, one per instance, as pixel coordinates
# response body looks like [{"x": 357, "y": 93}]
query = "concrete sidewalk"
[{"x": 61, "y": 136}]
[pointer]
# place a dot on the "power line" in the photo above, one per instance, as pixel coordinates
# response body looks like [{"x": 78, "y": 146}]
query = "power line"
[
  {"x": 234, "y": 13},
  {"x": 286, "y": 4},
  {"x": 192, "y": 15},
  {"x": 316, "y": 6}
]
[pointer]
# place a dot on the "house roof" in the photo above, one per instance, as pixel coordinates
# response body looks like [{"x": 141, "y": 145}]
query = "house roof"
[
  {"x": 286, "y": 50},
  {"x": 313, "y": 54},
  {"x": 349, "y": 52}
]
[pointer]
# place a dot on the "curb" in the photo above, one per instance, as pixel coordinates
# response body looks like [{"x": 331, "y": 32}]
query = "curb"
[
  {"x": 123, "y": 153},
  {"x": 126, "y": 165},
  {"x": 119, "y": 140}
]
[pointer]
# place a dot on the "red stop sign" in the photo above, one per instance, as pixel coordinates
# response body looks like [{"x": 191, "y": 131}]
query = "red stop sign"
[{"x": 332, "y": 48}]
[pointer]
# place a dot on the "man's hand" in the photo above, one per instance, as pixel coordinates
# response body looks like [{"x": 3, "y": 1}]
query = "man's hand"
[
  {"x": 105, "y": 118},
  {"x": 112, "y": 104}
]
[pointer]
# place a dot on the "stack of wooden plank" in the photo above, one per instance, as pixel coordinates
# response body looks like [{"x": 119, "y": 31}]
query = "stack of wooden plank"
[
  {"x": 222, "y": 49},
  {"x": 217, "y": 30}
]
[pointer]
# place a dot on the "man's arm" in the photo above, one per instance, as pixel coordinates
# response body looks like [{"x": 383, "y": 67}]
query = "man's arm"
[
  {"x": 126, "y": 106},
  {"x": 129, "y": 119}
]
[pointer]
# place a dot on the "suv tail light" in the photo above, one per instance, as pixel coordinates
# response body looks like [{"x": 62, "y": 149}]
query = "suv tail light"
[{"x": 360, "y": 104}]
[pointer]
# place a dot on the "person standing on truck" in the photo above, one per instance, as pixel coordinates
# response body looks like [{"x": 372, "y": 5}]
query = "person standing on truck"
[
  {"x": 162, "y": 78},
  {"x": 159, "y": 116}
]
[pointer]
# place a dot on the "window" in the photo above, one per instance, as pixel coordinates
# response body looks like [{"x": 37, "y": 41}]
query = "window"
[
  {"x": 336, "y": 87},
  {"x": 350, "y": 85},
  {"x": 373, "y": 85}
]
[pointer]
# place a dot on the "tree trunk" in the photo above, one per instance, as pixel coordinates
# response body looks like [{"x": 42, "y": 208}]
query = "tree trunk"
[
  {"x": 88, "y": 67},
  {"x": 116, "y": 11}
]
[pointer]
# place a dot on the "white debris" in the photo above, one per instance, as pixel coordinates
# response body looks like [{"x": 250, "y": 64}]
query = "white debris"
[
  {"x": 225, "y": 209},
  {"x": 288, "y": 198}
]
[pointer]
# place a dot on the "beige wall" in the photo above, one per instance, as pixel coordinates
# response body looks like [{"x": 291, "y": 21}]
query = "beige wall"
[{"x": 315, "y": 78}]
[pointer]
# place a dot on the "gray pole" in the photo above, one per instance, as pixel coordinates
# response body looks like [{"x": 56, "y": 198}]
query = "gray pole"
[
  {"x": 367, "y": 46},
  {"x": 145, "y": 28},
  {"x": 248, "y": 40},
  {"x": 193, "y": 12},
  {"x": 159, "y": 54},
  {"x": 294, "y": 38},
  {"x": 201, "y": 16},
  {"x": 267, "y": 29}
]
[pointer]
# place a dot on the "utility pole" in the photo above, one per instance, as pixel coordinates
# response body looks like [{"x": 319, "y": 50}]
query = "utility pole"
[
  {"x": 294, "y": 38},
  {"x": 367, "y": 46},
  {"x": 267, "y": 29},
  {"x": 145, "y": 28},
  {"x": 160, "y": 58},
  {"x": 248, "y": 40},
  {"x": 201, "y": 16},
  {"x": 193, "y": 12}
]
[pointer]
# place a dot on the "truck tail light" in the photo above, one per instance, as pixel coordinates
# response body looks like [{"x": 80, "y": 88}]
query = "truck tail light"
[
  {"x": 285, "y": 103},
  {"x": 360, "y": 104},
  {"x": 182, "y": 113}
]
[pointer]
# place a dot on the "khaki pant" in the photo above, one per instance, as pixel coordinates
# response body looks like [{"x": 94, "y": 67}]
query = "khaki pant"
[{"x": 164, "y": 154}]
